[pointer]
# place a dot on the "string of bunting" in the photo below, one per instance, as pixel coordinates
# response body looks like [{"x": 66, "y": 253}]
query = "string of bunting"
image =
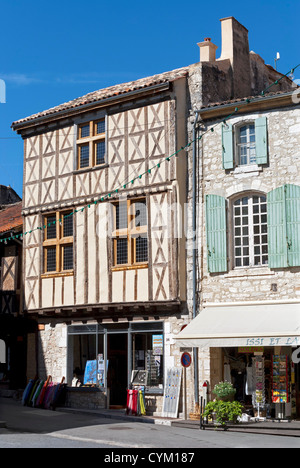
[{"x": 156, "y": 166}]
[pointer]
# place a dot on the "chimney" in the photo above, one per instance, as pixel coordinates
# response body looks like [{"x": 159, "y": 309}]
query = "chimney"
[
  {"x": 235, "y": 47},
  {"x": 207, "y": 50}
]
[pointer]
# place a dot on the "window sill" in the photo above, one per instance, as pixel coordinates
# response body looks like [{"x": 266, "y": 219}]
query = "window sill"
[
  {"x": 249, "y": 169},
  {"x": 58, "y": 274},
  {"x": 249, "y": 272},
  {"x": 130, "y": 267},
  {"x": 91, "y": 169}
]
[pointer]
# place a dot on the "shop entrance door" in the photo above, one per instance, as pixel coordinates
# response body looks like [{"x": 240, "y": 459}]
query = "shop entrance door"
[{"x": 117, "y": 355}]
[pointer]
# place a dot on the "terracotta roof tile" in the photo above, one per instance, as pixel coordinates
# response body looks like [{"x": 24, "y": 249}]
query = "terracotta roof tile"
[
  {"x": 11, "y": 217},
  {"x": 109, "y": 92},
  {"x": 244, "y": 99}
]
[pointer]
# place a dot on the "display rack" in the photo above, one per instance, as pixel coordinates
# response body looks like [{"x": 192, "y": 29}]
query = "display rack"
[
  {"x": 280, "y": 380},
  {"x": 258, "y": 396}
]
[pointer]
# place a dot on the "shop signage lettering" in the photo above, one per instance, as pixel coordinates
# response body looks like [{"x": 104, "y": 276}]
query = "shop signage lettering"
[
  {"x": 250, "y": 349},
  {"x": 282, "y": 341}
]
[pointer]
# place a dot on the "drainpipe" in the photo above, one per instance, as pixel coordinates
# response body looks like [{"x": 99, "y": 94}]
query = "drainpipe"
[{"x": 194, "y": 188}]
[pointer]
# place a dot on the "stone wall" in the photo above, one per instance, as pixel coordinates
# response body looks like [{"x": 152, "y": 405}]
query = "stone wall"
[
  {"x": 86, "y": 398},
  {"x": 252, "y": 284},
  {"x": 52, "y": 352}
]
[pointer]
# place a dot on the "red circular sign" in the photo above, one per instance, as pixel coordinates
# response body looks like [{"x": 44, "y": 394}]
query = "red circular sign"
[{"x": 186, "y": 360}]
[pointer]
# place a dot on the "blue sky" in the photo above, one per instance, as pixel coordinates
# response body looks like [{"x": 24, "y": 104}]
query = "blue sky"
[{"x": 55, "y": 51}]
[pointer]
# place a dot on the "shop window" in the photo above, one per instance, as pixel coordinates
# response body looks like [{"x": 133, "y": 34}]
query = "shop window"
[
  {"x": 148, "y": 355},
  {"x": 84, "y": 346}
]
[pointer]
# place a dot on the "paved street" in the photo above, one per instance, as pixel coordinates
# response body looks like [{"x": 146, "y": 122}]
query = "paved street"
[{"x": 37, "y": 428}]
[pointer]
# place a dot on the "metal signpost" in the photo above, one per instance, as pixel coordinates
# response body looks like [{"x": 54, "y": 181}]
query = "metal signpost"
[{"x": 186, "y": 360}]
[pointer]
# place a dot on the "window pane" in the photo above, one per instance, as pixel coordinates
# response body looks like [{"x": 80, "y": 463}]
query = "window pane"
[
  {"x": 121, "y": 216},
  {"x": 246, "y": 145},
  {"x": 51, "y": 259},
  {"x": 68, "y": 226},
  {"x": 141, "y": 249},
  {"x": 100, "y": 127},
  {"x": 140, "y": 214},
  {"x": 84, "y": 156},
  {"x": 122, "y": 251},
  {"x": 100, "y": 152},
  {"x": 51, "y": 227},
  {"x": 68, "y": 257},
  {"x": 84, "y": 131}
]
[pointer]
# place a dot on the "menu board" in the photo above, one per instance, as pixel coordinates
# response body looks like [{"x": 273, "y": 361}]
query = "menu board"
[{"x": 280, "y": 381}]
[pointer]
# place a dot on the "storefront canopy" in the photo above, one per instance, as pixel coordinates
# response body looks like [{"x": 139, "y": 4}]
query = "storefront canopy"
[{"x": 243, "y": 325}]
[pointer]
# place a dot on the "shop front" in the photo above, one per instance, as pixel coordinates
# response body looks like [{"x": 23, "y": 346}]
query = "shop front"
[
  {"x": 258, "y": 348},
  {"x": 106, "y": 356}
]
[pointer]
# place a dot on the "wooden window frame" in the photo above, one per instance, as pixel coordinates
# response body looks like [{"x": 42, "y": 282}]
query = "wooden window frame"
[
  {"x": 59, "y": 242},
  {"x": 130, "y": 233},
  {"x": 251, "y": 234},
  {"x": 92, "y": 141}
]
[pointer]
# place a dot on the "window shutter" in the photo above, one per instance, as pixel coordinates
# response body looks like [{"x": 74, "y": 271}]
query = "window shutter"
[
  {"x": 292, "y": 194},
  {"x": 284, "y": 226},
  {"x": 277, "y": 248},
  {"x": 261, "y": 140},
  {"x": 227, "y": 146},
  {"x": 216, "y": 234}
]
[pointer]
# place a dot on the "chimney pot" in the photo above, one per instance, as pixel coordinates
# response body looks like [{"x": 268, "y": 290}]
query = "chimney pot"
[{"x": 207, "y": 50}]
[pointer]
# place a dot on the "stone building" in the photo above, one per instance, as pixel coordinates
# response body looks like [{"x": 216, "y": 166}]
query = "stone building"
[
  {"x": 249, "y": 233},
  {"x": 104, "y": 213}
]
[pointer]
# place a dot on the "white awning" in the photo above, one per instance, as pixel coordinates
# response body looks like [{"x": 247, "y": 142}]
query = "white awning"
[{"x": 270, "y": 324}]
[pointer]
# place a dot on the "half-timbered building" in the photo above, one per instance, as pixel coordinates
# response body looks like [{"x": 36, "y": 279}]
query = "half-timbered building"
[{"x": 106, "y": 179}]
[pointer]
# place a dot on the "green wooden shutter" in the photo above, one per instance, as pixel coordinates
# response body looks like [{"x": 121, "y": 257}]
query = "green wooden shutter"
[
  {"x": 277, "y": 248},
  {"x": 292, "y": 194},
  {"x": 261, "y": 140},
  {"x": 216, "y": 234},
  {"x": 227, "y": 146}
]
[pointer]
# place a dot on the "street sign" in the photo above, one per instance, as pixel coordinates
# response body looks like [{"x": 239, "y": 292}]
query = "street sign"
[{"x": 186, "y": 360}]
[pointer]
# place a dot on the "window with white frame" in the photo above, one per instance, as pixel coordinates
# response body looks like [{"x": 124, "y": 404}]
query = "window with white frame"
[
  {"x": 250, "y": 231},
  {"x": 246, "y": 145}
]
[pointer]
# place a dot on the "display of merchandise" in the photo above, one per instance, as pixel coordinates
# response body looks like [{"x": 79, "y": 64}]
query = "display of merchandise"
[
  {"x": 258, "y": 395},
  {"x": 280, "y": 380},
  {"x": 136, "y": 401}
]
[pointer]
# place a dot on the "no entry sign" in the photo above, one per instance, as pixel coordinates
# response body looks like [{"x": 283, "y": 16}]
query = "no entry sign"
[{"x": 186, "y": 360}]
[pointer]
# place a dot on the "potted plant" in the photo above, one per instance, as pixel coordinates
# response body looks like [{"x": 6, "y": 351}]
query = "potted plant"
[
  {"x": 223, "y": 411},
  {"x": 224, "y": 391}
]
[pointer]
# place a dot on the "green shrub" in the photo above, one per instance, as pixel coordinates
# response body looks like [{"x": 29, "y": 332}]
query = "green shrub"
[
  {"x": 224, "y": 391},
  {"x": 225, "y": 411}
]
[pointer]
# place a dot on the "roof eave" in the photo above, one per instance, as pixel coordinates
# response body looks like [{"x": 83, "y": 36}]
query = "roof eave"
[
  {"x": 261, "y": 102},
  {"x": 65, "y": 113}
]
